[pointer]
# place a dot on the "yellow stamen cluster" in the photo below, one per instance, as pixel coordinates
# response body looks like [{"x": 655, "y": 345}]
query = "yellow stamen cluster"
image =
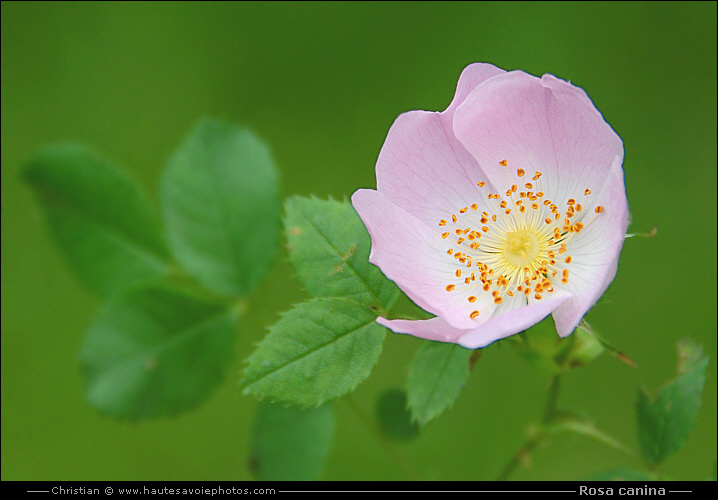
[{"x": 512, "y": 254}]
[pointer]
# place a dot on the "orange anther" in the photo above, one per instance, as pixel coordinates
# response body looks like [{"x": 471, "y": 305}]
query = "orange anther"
[
  {"x": 486, "y": 287},
  {"x": 467, "y": 280},
  {"x": 474, "y": 314},
  {"x": 442, "y": 222},
  {"x": 450, "y": 251},
  {"x": 503, "y": 204},
  {"x": 485, "y": 229},
  {"x": 458, "y": 273},
  {"x": 599, "y": 209},
  {"x": 474, "y": 207},
  {"x": 508, "y": 211},
  {"x": 546, "y": 203},
  {"x": 463, "y": 210},
  {"x": 579, "y": 208},
  {"x": 498, "y": 300},
  {"x": 444, "y": 235},
  {"x": 472, "y": 299},
  {"x": 481, "y": 184},
  {"x": 520, "y": 172},
  {"x": 571, "y": 201},
  {"x": 503, "y": 163},
  {"x": 534, "y": 206},
  {"x": 522, "y": 209},
  {"x": 514, "y": 188},
  {"x": 460, "y": 241},
  {"x": 537, "y": 297},
  {"x": 529, "y": 185},
  {"x": 568, "y": 259},
  {"x": 450, "y": 287},
  {"x": 587, "y": 192},
  {"x": 453, "y": 218},
  {"x": 563, "y": 248}
]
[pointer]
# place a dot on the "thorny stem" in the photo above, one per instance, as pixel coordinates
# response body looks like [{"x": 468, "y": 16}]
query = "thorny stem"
[{"x": 386, "y": 445}]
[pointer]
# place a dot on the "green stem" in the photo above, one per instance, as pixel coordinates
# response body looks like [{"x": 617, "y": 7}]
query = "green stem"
[
  {"x": 520, "y": 456},
  {"x": 386, "y": 445},
  {"x": 552, "y": 399},
  {"x": 538, "y": 436}
]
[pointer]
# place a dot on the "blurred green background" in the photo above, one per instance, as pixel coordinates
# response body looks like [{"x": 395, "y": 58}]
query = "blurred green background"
[{"x": 322, "y": 83}]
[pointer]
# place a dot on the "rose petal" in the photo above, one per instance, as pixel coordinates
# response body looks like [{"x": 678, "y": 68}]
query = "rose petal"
[
  {"x": 594, "y": 252},
  {"x": 544, "y": 125},
  {"x": 471, "y": 77},
  {"x": 423, "y": 169},
  {"x": 498, "y": 327},
  {"x": 413, "y": 256},
  {"x": 431, "y": 329}
]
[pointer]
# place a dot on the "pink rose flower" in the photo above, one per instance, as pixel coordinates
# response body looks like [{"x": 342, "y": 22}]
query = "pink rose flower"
[{"x": 508, "y": 206}]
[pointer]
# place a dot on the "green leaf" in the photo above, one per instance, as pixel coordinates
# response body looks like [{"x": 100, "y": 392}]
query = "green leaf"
[
  {"x": 665, "y": 421},
  {"x": 291, "y": 444},
  {"x": 393, "y": 417},
  {"x": 98, "y": 217},
  {"x": 329, "y": 247},
  {"x": 156, "y": 351},
  {"x": 220, "y": 204},
  {"x": 317, "y": 351},
  {"x": 436, "y": 376},
  {"x": 622, "y": 474}
]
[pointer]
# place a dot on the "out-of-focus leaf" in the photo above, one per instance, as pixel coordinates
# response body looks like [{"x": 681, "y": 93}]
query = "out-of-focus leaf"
[
  {"x": 317, "y": 351},
  {"x": 393, "y": 417},
  {"x": 622, "y": 474},
  {"x": 291, "y": 444},
  {"x": 436, "y": 376},
  {"x": 220, "y": 205},
  {"x": 156, "y": 351},
  {"x": 98, "y": 217},
  {"x": 665, "y": 421},
  {"x": 329, "y": 248}
]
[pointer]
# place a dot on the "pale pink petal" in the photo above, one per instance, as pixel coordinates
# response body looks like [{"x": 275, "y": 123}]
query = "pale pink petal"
[
  {"x": 499, "y": 326},
  {"x": 594, "y": 252},
  {"x": 431, "y": 329},
  {"x": 544, "y": 125},
  {"x": 412, "y": 255},
  {"x": 515, "y": 321},
  {"x": 471, "y": 77},
  {"x": 425, "y": 170}
]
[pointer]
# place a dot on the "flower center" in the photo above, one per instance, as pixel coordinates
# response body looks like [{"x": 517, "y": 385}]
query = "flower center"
[
  {"x": 518, "y": 252},
  {"x": 521, "y": 248}
]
